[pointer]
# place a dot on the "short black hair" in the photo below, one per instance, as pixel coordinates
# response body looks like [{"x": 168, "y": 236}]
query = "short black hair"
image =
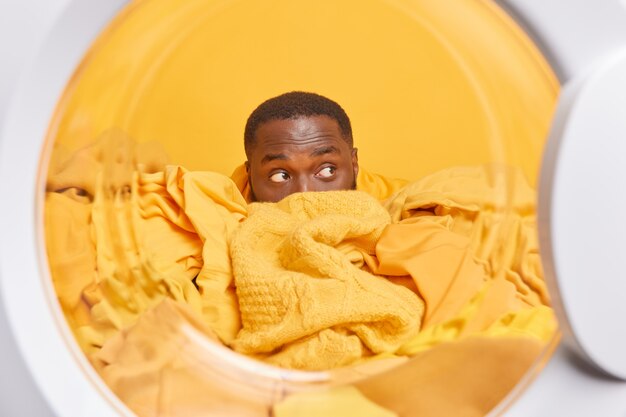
[{"x": 293, "y": 105}]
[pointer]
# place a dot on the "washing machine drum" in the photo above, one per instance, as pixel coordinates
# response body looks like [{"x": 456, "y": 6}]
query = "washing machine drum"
[{"x": 178, "y": 297}]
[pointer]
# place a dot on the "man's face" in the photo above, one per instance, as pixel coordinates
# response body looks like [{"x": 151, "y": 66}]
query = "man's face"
[{"x": 296, "y": 155}]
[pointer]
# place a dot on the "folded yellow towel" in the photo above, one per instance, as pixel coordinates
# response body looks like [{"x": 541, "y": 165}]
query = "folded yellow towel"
[{"x": 301, "y": 292}]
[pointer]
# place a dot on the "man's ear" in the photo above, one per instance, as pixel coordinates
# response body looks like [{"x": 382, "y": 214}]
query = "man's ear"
[{"x": 355, "y": 162}]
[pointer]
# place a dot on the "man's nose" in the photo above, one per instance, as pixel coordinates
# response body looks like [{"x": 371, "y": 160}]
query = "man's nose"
[{"x": 304, "y": 184}]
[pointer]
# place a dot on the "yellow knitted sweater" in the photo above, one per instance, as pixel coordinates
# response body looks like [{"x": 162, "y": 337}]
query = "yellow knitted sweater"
[{"x": 305, "y": 301}]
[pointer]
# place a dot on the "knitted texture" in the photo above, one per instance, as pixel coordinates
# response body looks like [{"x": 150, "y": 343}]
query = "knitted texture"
[{"x": 297, "y": 271}]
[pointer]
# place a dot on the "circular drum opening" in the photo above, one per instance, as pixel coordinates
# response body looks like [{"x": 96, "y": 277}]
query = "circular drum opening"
[{"x": 450, "y": 105}]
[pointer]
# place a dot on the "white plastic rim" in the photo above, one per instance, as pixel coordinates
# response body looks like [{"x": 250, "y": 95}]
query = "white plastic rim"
[
  {"x": 65, "y": 378},
  {"x": 582, "y": 207}
]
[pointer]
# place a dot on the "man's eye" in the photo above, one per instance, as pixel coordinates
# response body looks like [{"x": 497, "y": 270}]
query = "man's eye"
[
  {"x": 326, "y": 172},
  {"x": 279, "y": 177}
]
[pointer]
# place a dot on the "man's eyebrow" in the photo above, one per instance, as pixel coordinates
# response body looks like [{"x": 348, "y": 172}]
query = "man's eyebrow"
[
  {"x": 323, "y": 150},
  {"x": 273, "y": 157}
]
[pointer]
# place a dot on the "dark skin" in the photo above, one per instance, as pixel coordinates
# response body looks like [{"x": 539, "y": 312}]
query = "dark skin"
[{"x": 297, "y": 155}]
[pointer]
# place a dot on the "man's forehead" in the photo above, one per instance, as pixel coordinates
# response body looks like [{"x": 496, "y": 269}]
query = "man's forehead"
[
  {"x": 283, "y": 154},
  {"x": 273, "y": 143},
  {"x": 299, "y": 126},
  {"x": 299, "y": 132}
]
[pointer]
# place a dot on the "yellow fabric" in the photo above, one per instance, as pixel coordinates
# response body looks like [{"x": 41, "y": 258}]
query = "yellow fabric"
[
  {"x": 439, "y": 262},
  {"x": 300, "y": 291},
  {"x": 466, "y": 378},
  {"x": 71, "y": 252},
  {"x": 487, "y": 205},
  {"x": 340, "y": 401},
  {"x": 121, "y": 245},
  {"x": 447, "y": 236},
  {"x": 156, "y": 370},
  {"x": 148, "y": 254}
]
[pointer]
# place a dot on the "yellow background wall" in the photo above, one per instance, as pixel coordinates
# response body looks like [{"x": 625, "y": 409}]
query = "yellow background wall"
[{"x": 427, "y": 83}]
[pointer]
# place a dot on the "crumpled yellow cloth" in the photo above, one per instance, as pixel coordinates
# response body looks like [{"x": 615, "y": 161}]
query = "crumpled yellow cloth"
[
  {"x": 298, "y": 288},
  {"x": 137, "y": 257},
  {"x": 123, "y": 234},
  {"x": 492, "y": 208}
]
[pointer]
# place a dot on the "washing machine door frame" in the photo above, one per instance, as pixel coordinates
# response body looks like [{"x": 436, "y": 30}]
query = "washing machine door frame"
[
  {"x": 68, "y": 383},
  {"x": 26, "y": 301},
  {"x": 582, "y": 168}
]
